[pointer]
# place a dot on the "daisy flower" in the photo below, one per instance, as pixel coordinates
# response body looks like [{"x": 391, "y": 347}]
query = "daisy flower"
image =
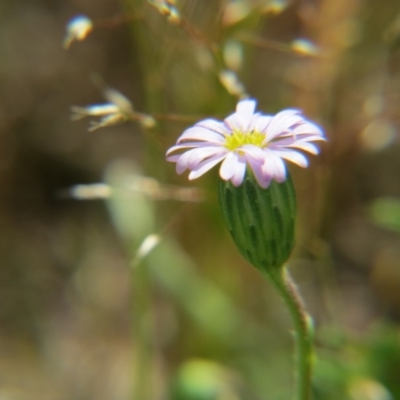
[{"x": 246, "y": 139}]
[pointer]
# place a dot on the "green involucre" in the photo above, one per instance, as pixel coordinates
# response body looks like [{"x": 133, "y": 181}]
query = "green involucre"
[{"x": 261, "y": 221}]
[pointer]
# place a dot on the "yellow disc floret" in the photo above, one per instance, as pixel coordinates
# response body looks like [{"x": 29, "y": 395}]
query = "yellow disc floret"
[{"x": 239, "y": 139}]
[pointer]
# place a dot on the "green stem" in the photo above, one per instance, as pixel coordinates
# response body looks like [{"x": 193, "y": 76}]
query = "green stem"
[{"x": 303, "y": 331}]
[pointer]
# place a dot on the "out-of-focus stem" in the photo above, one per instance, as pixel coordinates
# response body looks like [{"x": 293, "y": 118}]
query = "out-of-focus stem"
[
  {"x": 142, "y": 334},
  {"x": 302, "y": 323}
]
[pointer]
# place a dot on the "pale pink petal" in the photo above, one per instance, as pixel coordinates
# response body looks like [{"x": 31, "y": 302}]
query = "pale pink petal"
[
  {"x": 181, "y": 164},
  {"x": 290, "y": 139},
  {"x": 305, "y": 146},
  {"x": 233, "y": 122},
  {"x": 191, "y": 158},
  {"x": 206, "y": 165},
  {"x": 263, "y": 179},
  {"x": 203, "y": 134},
  {"x": 282, "y": 122},
  {"x": 274, "y": 166},
  {"x": 283, "y": 141},
  {"x": 198, "y": 155},
  {"x": 228, "y": 166},
  {"x": 293, "y": 156},
  {"x": 233, "y": 168},
  {"x": 240, "y": 171},
  {"x": 288, "y": 112},
  {"x": 242, "y": 118},
  {"x": 190, "y": 145},
  {"x": 213, "y": 125},
  {"x": 174, "y": 158},
  {"x": 308, "y": 128},
  {"x": 260, "y": 123},
  {"x": 311, "y": 137},
  {"x": 245, "y": 108},
  {"x": 254, "y": 152}
]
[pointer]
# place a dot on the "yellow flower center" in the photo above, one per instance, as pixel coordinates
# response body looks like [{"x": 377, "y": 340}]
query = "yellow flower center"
[{"x": 239, "y": 139}]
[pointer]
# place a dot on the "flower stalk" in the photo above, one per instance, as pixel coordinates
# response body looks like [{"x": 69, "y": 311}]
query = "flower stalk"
[{"x": 303, "y": 330}]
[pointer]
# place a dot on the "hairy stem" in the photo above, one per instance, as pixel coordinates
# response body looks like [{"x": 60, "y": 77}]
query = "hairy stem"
[{"x": 302, "y": 323}]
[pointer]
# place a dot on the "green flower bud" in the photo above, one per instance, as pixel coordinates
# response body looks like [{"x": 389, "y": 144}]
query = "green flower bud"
[{"x": 261, "y": 221}]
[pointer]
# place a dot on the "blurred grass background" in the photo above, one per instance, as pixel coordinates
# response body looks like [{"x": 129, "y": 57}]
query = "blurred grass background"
[{"x": 78, "y": 319}]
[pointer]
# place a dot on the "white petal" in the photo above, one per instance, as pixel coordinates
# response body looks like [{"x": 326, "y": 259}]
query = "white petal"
[
  {"x": 274, "y": 166},
  {"x": 192, "y": 158},
  {"x": 227, "y": 169},
  {"x": 282, "y": 122},
  {"x": 283, "y": 141},
  {"x": 174, "y": 158},
  {"x": 189, "y": 145},
  {"x": 290, "y": 138},
  {"x": 233, "y": 122},
  {"x": 242, "y": 119},
  {"x": 254, "y": 152},
  {"x": 206, "y": 165},
  {"x": 198, "y": 155},
  {"x": 240, "y": 171},
  {"x": 308, "y": 128},
  {"x": 181, "y": 164},
  {"x": 309, "y": 147},
  {"x": 213, "y": 125},
  {"x": 260, "y": 123},
  {"x": 262, "y": 178},
  {"x": 245, "y": 108},
  {"x": 288, "y": 113},
  {"x": 293, "y": 156},
  {"x": 203, "y": 134}
]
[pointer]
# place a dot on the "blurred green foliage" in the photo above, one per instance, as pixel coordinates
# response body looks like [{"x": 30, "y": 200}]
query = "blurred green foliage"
[{"x": 386, "y": 213}]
